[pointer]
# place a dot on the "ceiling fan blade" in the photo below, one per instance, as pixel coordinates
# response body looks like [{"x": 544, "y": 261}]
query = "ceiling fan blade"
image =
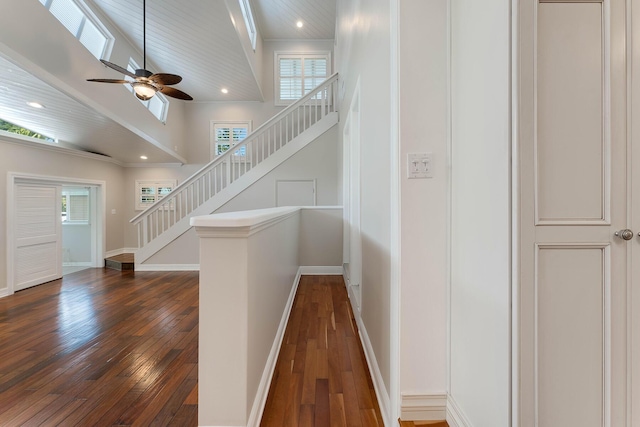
[
  {"x": 108, "y": 81},
  {"x": 175, "y": 93},
  {"x": 164, "y": 79},
  {"x": 118, "y": 68}
]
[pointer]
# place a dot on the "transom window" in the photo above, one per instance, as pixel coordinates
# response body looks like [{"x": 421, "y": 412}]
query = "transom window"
[
  {"x": 158, "y": 105},
  {"x": 225, "y": 135},
  {"x": 83, "y": 24},
  {"x": 297, "y": 74}
]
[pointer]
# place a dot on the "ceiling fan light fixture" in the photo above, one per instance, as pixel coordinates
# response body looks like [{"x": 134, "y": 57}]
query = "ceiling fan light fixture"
[{"x": 144, "y": 91}]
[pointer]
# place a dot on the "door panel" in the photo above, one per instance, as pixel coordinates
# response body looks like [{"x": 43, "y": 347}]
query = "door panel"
[
  {"x": 38, "y": 240},
  {"x": 572, "y": 313},
  {"x": 573, "y": 180},
  {"x": 570, "y": 145}
]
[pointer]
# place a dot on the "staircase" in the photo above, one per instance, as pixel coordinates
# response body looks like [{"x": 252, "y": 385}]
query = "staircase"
[{"x": 231, "y": 173}]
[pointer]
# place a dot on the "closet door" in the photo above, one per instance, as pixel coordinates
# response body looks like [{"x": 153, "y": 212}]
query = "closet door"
[
  {"x": 574, "y": 207},
  {"x": 37, "y": 234}
]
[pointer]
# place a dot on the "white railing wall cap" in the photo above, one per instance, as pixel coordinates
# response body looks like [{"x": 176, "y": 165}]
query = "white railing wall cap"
[{"x": 250, "y": 218}]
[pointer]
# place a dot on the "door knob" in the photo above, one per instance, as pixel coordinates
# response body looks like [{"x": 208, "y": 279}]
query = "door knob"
[{"x": 625, "y": 234}]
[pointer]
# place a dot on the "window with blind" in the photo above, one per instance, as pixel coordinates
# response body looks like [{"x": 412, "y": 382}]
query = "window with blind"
[
  {"x": 297, "y": 74},
  {"x": 158, "y": 105},
  {"x": 75, "y": 206},
  {"x": 83, "y": 24},
  {"x": 225, "y": 135}
]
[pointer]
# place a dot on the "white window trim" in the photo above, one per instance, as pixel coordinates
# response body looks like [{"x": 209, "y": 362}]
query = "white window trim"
[
  {"x": 249, "y": 22},
  {"x": 276, "y": 71},
  {"x": 88, "y": 14},
  {"x": 156, "y": 183},
  {"x": 67, "y": 194},
  {"x": 212, "y": 135}
]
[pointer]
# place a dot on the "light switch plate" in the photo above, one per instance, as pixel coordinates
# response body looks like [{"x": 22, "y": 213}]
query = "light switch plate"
[{"x": 419, "y": 165}]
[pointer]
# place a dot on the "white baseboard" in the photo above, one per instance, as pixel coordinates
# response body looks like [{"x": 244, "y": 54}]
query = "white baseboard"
[
  {"x": 455, "y": 416},
  {"x": 77, "y": 264},
  {"x": 4, "y": 292},
  {"x": 423, "y": 406},
  {"x": 167, "y": 267},
  {"x": 378, "y": 383},
  {"x": 267, "y": 375},
  {"x": 321, "y": 270}
]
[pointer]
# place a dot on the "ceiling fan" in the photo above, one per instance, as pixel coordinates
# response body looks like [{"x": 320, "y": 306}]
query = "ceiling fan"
[{"x": 145, "y": 83}]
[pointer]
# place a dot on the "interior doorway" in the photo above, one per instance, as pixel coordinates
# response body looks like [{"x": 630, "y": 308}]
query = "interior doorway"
[
  {"x": 36, "y": 241},
  {"x": 78, "y": 217}
]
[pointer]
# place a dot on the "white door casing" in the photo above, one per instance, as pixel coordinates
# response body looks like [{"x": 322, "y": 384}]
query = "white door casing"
[{"x": 572, "y": 174}]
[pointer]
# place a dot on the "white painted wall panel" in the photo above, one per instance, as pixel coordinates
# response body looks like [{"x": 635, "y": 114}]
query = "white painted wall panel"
[{"x": 480, "y": 221}]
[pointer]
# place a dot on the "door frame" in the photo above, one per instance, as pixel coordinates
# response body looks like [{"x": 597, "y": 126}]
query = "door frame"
[{"x": 98, "y": 227}]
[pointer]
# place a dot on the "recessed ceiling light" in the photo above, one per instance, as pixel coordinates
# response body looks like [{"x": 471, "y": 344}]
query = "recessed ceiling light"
[
  {"x": 299, "y": 24},
  {"x": 35, "y": 104},
  {"x": 224, "y": 90},
  {"x": 144, "y": 157}
]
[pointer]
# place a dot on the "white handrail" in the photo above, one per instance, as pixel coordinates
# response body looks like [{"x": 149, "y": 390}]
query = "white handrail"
[{"x": 237, "y": 160}]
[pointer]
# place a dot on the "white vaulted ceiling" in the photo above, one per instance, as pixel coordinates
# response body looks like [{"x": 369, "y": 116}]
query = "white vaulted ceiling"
[
  {"x": 277, "y": 18},
  {"x": 196, "y": 39}
]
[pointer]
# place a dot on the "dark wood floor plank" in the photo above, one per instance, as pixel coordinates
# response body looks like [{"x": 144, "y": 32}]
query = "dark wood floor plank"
[
  {"x": 317, "y": 376},
  {"x": 77, "y": 348},
  {"x": 102, "y": 347}
]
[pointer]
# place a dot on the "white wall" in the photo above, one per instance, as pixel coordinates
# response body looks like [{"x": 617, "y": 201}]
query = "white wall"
[
  {"x": 318, "y": 161},
  {"x": 480, "y": 240},
  {"x": 21, "y": 158},
  {"x": 363, "y": 52},
  {"x": 198, "y": 115},
  {"x": 76, "y": 243},
  {"x": 423, "y": 221}
]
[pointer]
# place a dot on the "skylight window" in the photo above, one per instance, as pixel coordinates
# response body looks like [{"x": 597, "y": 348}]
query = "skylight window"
[
  {"x": 19, "y": 130},
  {"x": 83, "y": 24},
  {"x": 248, "y": 20},
  {"x": 158, "y": 105}
]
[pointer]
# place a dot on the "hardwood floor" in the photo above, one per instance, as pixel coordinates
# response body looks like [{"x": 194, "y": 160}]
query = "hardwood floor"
[
  {"x": 101, "y": 348},
  {"x": 321, "y": 377},
  {"x": 106, "y": 348},
  {"x": 423, "y": 423}
]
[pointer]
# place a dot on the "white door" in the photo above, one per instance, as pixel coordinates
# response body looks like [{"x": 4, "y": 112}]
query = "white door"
[
  {"x": 296, "y": 193},
  {"x": 572, "y": 311},
  {"x": 37, "y": 235}
]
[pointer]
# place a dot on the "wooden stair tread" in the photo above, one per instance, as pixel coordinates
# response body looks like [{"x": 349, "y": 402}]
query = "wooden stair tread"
[{"x": 122, "y": 262}]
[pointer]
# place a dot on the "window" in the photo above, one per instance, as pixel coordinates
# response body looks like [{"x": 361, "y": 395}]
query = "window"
[
  {"x": 75, "y": 205},
  {"x": 249, "y": 22},
  {"x": 225, "y": 135},
  {"x": 297, "y": 74},
  {"x": 19, "y": 130},
  {"x": 158, "y": 105},
  {"x": 149, "y": 192},
  {"x": 83, "y": 24}
]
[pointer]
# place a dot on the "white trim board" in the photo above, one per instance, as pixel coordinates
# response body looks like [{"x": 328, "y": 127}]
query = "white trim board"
[
  {"x": 423, "y": 406},
  {"x": 321, "y": 270},
  {"x": 455, "y": 416},
  {"x": 167, "y": 267},
  {"x": 384, "y": 400},
  {"x": 120, "y": 251},
  {"x": 267, "y": 375}
]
